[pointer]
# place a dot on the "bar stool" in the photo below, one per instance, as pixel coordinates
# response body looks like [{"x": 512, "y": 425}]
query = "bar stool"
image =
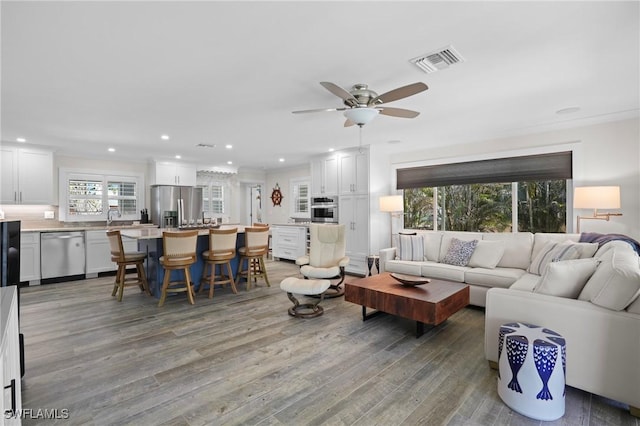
[
  {"x": 256, "y": 246},
  {"x": 123, "y": 259},
  {"x": 179, "y": 254},
  {"x": 222, "y": 250}
]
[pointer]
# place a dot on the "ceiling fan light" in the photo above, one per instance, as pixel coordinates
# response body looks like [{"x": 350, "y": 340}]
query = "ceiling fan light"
[{"x": 361, "y": 116}]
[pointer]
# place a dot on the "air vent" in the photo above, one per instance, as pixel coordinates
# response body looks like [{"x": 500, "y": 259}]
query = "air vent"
[
  {"x": 438, "y": 60},
  {"x": 205, "y": 145}
]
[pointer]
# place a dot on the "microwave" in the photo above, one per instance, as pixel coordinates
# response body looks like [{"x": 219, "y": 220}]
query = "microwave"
[{"x": 324, "y": 209}]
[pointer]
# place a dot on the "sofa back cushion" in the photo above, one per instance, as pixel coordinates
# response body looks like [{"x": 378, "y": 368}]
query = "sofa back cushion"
[
  {"x": 517, "y": 248},
  {"x": 634, "y": 307},
  {"x": 616, "y": 281}
]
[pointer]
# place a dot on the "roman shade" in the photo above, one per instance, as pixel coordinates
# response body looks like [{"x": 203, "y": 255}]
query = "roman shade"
[{"x": 552, "y": 166}]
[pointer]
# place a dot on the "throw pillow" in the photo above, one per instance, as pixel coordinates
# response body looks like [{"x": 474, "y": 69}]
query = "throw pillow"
[
  {"x": 566, "y": 278},
  {"x": 460, "y": 252},
  {"x": 553, "y": 252},
  {"x": 411, "y": 247},
  {"x": 616, "y": 281},
  {"x": 487, "y": 254},
  {"x": 586, "y": 249}
]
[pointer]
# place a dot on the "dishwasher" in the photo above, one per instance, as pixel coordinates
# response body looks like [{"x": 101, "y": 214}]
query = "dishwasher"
[{"x": 62, "y": 254}]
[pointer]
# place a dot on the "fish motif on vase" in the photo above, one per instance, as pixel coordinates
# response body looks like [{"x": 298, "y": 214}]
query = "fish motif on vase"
[
  {"x": 503, "y": 330},
  {"x": 545, "y": 355},
  {"x": 563, "y": 353},
  {"x": 517, "y": 347}
]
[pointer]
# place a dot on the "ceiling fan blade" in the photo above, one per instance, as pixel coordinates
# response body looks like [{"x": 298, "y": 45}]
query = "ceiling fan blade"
[
  {"x": 398, "y": 112},
  {"x": 349, "y": 123},
  {"x": 340, "y": 92},
  {"x": 399, "y": 93},
  {"x": 318, "y": 110}
]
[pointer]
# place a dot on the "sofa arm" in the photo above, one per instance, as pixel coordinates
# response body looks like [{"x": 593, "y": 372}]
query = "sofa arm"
[
  {"x": 386, "y": 254},
  {"x": 603, "y": 346}
]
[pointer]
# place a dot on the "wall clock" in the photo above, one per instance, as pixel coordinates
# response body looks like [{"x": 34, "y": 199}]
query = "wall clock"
[{"x": 276, "y": 196}]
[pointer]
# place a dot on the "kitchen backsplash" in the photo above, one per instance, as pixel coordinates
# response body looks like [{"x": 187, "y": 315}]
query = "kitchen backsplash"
[{"x": 29, "y": 213}]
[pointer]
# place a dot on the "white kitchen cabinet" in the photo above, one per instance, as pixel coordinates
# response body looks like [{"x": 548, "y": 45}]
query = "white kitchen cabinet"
[
  {"x": 324, "y": 175},
  {"x": 354, "y": 215},
  {"x": 26, "y": 176},
  {"x": 354, "y": 172},
  {"x": 98, "y": 252},
  {"x": 30, "y": 257},
  {"x": 288, "y": 242},
  {"x": 10, "y": 376},
  {"x": 169, "y": 173}
]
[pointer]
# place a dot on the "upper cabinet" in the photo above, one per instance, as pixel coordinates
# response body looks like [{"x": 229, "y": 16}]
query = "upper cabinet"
[
  {"x": 27, "y": 176},
  {"x": 168, "y": 173},
  {"x": 354, "y": 172},
  {"x": 324, "y": 175}
]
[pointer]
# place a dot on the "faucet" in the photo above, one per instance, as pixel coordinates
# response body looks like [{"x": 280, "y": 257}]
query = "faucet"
[{"x": 110, "y": 215}]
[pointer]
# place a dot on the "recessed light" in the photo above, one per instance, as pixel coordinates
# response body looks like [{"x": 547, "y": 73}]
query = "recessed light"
[
  {"x": 228, "y": 146},
  {"x": 21, "y": 140},
  {"x": 164, "y": 137},
  {"x": 281, "y": 160},
  {"x": 331, "y": 149},
  {"x": 569, "y": 110},
  {"x": 229, "y": 162},
  {"x": 178, "y": 157},
  {"x": 395, "y": 141},
  {"x": 112, "y": 150}
]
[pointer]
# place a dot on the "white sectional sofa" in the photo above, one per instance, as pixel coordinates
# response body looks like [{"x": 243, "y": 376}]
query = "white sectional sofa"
[{"x": 590, "y": 296}]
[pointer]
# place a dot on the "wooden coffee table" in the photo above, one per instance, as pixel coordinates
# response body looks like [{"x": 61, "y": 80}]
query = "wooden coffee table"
[{"x": 429, "y": 304}]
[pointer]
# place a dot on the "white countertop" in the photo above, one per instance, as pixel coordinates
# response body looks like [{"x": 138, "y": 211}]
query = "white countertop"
[{"x": 154, "y": 233}]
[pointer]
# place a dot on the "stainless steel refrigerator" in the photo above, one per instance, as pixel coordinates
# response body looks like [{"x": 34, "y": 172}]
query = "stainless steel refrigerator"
[{"x": 175, "y": 206}]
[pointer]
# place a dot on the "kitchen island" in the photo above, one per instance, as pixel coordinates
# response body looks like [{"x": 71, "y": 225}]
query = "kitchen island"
[{"x": 150, "y": 242}]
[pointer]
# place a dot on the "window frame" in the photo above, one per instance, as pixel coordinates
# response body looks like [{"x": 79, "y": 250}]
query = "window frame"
[
  {"x": 65, "y": 175},
  {"x": 295, "y": 184}
]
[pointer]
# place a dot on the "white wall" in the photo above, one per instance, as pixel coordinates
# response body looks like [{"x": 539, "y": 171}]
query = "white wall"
[
  {"x": 281, "y": 214},
  {"x": 604, "y": 154}
]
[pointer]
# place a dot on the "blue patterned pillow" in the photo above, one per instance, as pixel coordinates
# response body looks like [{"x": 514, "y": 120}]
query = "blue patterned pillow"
[
  {"x": 411, "y": 247},
  {"x": 459, "y": 252}
]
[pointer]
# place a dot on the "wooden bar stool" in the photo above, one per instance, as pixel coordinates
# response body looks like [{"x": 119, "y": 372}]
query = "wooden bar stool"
[
  {"x": 256, "y": 246},
  {"x": 222, "y": 250},
  {"x": 123, "y": 259},
  {"x": 179, "y": 254}
]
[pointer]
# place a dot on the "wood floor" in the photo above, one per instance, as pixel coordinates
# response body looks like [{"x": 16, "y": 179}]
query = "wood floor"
[{"x": 240, "y": 359}]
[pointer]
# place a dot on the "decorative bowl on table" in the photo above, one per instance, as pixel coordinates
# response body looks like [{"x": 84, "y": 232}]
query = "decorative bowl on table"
[{"x": 409, "y": 280}]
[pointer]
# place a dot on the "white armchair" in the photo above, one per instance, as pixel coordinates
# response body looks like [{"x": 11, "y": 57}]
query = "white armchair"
[{"x": 326, "y": 259}]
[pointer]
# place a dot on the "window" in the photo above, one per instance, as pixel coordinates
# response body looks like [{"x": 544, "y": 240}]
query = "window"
[
  {"x": 470, "y": 197},
  {"x": 213, "y": 196},
  {"x": 300, "y": 197},
  {"x": 89, "y": 196}
]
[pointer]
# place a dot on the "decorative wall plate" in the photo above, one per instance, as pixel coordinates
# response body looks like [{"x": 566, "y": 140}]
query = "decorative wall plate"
[{"x": 276, "y": 196}]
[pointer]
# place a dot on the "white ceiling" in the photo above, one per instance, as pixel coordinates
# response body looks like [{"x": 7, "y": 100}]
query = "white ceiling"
[{"x": 85, "y": 76}]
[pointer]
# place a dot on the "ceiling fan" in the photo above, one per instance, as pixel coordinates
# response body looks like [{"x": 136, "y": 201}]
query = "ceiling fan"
[{"x": 363, "y": 104}]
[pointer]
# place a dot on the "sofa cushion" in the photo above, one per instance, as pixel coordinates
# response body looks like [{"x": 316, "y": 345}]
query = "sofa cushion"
[
  {"x": 459, "y": 252},
  {"x": 411, "y": 247},
  {"x": 616, "y": 281},
  {"x": 634, "y": 307},
  {"x": 487, "y": 254},
  {"x": 527, "y": 282},
  {"x": 566, "y": 278},
  {"x": 517, "y": 248},
  {"x": 498, "y": 277},
  {"x": 553, "y": 252},
  {"x": 403, "y": 267},
  {"x": 443, "y": 271},
  {"x": 541, "y": 239}
]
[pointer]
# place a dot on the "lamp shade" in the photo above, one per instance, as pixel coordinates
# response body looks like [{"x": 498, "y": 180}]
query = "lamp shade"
[
  {"x": 391, "y": 203},
  {"x": 596, "y": 197},
  {"x": 361, "y": 116}
]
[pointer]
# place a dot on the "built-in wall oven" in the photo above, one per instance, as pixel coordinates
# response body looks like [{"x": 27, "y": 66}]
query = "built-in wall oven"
[{"x": 324, "y": 209}]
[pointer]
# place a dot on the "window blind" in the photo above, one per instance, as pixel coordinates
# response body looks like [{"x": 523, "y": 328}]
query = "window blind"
[{"x": 551, "y": 166}]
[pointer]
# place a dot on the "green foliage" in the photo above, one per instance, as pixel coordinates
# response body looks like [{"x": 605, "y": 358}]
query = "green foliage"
[{"x": 487, "y": 207}]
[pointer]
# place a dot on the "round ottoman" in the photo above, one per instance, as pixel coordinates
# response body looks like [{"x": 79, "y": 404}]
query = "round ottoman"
[
  {"x": 308, "y": 288},
  {"x": 532, "y": 370}
]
